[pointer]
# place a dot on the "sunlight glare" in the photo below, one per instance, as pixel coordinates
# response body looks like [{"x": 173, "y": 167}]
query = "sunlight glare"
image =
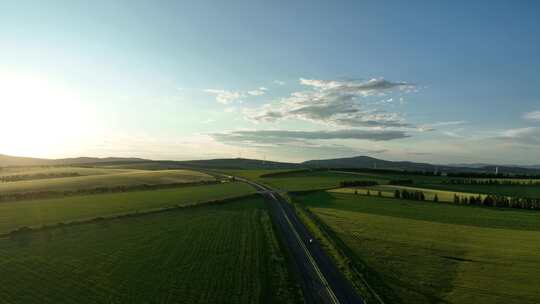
[{"x": 37, "y": 116}]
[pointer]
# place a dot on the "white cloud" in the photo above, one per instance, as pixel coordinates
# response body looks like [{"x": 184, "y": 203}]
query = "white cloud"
[
  {"x": 306, "y": 138},
  {"x": 526, "y": 136},
  {"x": 533, "y": 116},
  {"x": 374, "y": 86},
  {"x": 258, "y": 92},
  {"x": 227, "y": 97},
  {"x": 432, "y": 126},
  {"x": 335, "y": 103},
  {"x": 279, "y": 82}
]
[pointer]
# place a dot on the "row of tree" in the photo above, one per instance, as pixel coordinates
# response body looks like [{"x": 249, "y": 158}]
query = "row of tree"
[
  {"x": 487, "y": 200},
  {"x": 494, "y": 182},
  {"x": 499, "y": 201},
  {"x": 492, "y": 175},
  {"x": 410, "y": 195}
]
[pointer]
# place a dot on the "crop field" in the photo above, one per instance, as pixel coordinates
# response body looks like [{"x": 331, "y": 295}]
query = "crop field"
[
  {"x": 213, "y": 254},
  {"x": 143, "y": 166},
  {"x": 255, "y": 174},
  {"x": 35, "y": 213},
  {"x": 532, "y": 191},
  {"x": 106, "y": 180},
  {"x": 82, "y": 171},
  {"x": 297, "y": 180},
  {"x": 388, "y": 191},
  {"x": 4, "y": 171},
  {"x": 384, "y": 177},
  {"x": 424, "y": 252}
]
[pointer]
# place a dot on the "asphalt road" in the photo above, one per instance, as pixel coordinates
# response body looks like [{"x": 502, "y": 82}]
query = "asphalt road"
[{"x": 320, "y": 279}]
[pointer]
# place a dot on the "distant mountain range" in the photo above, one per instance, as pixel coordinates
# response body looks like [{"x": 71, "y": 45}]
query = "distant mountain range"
[
  {"x": 231, "y": 163},
  {"x": 9, "y": 161},
  {"x": 358, "y": 162},
  {"x": 374, "y": 163}
]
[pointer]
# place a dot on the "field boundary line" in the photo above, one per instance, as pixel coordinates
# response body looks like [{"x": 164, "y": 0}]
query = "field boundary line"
[
  {"x": 324, "y": 230},
  {"x": 82, "y": 221}
]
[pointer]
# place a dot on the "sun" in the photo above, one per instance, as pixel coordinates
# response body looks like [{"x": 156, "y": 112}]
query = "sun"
[{"x": 37, "y": 116}]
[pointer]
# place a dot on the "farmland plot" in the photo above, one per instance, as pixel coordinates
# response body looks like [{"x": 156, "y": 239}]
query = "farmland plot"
[{"x": 211, "y": 254}]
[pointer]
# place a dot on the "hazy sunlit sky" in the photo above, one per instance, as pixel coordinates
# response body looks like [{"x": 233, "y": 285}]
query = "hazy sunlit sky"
[{"x": 434, "y": 81}]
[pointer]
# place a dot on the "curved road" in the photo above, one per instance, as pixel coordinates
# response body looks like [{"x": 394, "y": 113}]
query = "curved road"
[{"x": 320, "y": 279}]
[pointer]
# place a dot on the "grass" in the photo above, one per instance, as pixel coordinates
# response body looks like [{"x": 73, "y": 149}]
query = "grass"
[
  {"x": 424, "y": 252},
  {"x": 388, "y": 191},
  {"x": 254, "y": 174},
  {"x": 300, "y": 179},
  {"x": 532, "y": 191},
  {"x": 308, "y": 180},
  {"x": 37, "y": 213},
  {"x": 83, "y": 171},
  {"x": 106, "y": 180},
  {"x": 213, "y": 254}
]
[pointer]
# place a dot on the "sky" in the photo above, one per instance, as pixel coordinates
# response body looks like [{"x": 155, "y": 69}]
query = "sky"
[{"x": 433, "y": 81}]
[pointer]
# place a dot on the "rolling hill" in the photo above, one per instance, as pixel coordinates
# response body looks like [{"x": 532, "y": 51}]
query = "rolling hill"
[
  {"x": 10, "y": 161},
  {"x": 358, "y": 162},
  {"x": 362, "y": 162}
]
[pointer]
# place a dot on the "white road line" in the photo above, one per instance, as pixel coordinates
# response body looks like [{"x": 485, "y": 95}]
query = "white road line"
[{"x": 310, "y": 257}]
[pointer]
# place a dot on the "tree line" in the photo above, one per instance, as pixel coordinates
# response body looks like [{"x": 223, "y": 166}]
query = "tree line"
[
  {"x": 478, "y": 200},
  {"x": 411, "y": 195},
  {"x": 493, "y": 182},
  {"x": 492, "y": 175},
  {"x": 498, "y": 201}
]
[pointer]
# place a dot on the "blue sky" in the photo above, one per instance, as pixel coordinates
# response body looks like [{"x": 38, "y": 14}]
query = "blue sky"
[{"x": 437, "y": 81}]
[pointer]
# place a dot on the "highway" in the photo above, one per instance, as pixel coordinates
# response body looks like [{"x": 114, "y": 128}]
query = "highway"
[{"x": 320, "y": 279}]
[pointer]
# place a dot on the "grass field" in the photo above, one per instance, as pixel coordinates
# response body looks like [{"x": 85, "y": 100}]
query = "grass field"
[
  {"x": 105, "y": 179},
  {"x": 50, "y": 211},
  {"x": 424, "y": 252},
  {"x": 298, "y": 180},
  {"x": 213, "y": 254},
  {"x": 388, "y": 191},
  {"x": 83, "y": 171},
  {"x": 532, "y": 191},
  {"x": 443, "y": 183}
]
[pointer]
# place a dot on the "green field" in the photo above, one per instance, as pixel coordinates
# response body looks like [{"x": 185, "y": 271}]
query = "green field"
[
  {"x": 532, "y": 191},
  {"x": 298, "y": 180},
  {"x": 388, "y": 191},
  {"x": 32, "y": 171},
  {"x": 106, "y": 178},
  {"x": 212, "y": 254},
  {"x": 50, "y": 211},
  {"x": 424, "y": 252}
]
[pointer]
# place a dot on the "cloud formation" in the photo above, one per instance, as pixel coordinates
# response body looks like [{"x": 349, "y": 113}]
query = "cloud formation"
[
  {"x": 281, "y": 137},
  {"x": 525, "y": 136},
  {"x": 532, "y": 116},
  {"x": 228, "y": 97},
  {"x": 336, "y": 103}
]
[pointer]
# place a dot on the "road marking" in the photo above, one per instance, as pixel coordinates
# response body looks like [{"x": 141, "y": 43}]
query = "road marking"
[
  {"x": 331, "y": 293},
  {"x": 310, "y": 257}
]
